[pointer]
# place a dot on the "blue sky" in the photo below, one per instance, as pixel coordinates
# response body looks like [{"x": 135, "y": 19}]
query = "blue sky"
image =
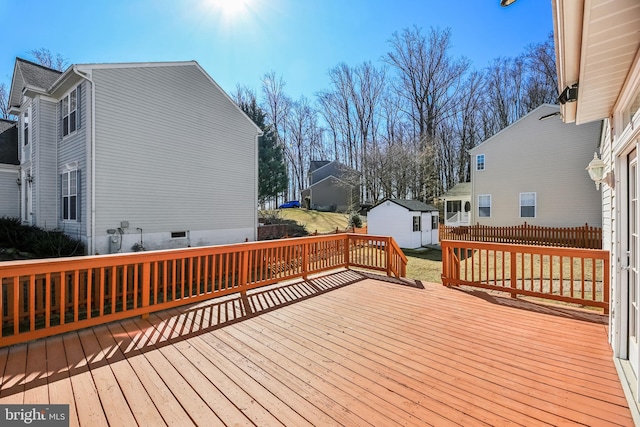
[{"x": 298, "y": 39}]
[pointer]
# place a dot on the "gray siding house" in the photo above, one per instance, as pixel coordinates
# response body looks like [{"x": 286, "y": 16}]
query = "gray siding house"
[
  {"x": 332, "y": 187},
  {"x": 135, "y": 155},
  {"x": 9, "y": 169},
  {"x": 533, "y": 171}
]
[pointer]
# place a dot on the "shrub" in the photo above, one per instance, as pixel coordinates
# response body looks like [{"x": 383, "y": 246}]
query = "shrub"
[
  {"x": 355, "y": 220},
  {"x": 26, "y": 241}
]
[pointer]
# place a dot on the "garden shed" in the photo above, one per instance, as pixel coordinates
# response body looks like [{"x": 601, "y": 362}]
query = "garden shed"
[{"x": 411, "y": 223}]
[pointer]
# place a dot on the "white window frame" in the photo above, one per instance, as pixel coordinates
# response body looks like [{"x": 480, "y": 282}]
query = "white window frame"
[
  {"x": 480, "y": 196},
  {"x": 65, "y": 104},
  {"x": 69, "y": 196},
  {"x": 535, "y": 204},
  {"x": 26, "y": 127},
  {"x": 484, "y": 163},
  {"x": 417, "y": 223}
]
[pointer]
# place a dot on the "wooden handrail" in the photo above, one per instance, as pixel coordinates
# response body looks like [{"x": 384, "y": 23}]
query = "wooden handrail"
[
  {"x": 576, "y": 237},
  {"x": 579, "y": 276},
  {"x": 39, "y": 298}
]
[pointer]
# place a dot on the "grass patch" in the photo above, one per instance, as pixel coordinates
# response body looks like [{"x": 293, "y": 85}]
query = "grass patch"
[
  {"x": 323, "y": 222},
  {"x": 424, "y": 264}
]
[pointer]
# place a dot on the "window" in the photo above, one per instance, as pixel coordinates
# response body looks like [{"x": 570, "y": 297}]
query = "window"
[
  {"x": 70, "y": 195},
  {"x": 484, "y": 205},
  {"x": 480, "y": 162},
  {"x": 69, "y": 112},
  {"x": 527, "y": 205},
  {"x": 434, "y": 222},
  {"x": 417, "y": 223},
  {"x": 25, "y": 126}
]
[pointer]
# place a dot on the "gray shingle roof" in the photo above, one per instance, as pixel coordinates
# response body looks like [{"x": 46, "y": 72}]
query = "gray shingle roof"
[
  {"x": 461, "y": 189},
  {"x": 317, "y": 164},
  {"x": 37, "y": 75},
  {"x": 412, "y": 205}
]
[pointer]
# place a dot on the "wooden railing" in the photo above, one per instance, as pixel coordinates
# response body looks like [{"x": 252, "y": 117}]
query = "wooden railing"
[
  {"x": 44, "y": 297},
  {"x": 579, "y": 276},
  {"x": 572, "y": 237}
]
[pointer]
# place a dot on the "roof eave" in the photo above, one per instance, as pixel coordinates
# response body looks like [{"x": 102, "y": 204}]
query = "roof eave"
[{"x": 567, "y": 28}]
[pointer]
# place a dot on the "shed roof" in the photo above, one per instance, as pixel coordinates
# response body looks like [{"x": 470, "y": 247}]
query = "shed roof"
[{"x": 411, "y": 205}]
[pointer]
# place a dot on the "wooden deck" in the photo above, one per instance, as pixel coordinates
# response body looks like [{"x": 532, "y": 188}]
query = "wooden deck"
[{"x": 346, "y": 348}]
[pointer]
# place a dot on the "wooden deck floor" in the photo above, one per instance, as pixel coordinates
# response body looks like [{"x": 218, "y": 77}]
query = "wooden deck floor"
[{"x": 342, "y": 349}]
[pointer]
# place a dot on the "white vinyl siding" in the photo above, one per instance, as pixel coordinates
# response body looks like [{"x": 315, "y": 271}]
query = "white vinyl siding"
[
  {"x": 547, "y": 157},
  {"x": 527, "y": 205},
  {"x": 163, "y": 170},
  {"x": 484, "y": 205},
  {"x": 72, "y": 150},
  {"x": 44, "y": 169}
]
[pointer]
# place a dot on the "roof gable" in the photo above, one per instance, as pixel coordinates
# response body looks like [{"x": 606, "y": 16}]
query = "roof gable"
[{"x": 27, "y": 73}]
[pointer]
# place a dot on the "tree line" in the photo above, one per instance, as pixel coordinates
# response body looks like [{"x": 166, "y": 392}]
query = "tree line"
[{"x": 406, "y": 122}]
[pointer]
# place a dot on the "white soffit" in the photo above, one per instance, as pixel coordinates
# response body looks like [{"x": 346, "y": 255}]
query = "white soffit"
[{"x": 610, "y": 43}]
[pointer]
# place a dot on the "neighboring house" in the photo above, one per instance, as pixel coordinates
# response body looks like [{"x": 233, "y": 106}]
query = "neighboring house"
[
  {"x": 598, "y": 53},
  {"x": 332, "y": 187},
  {"x": 533, "y": 171},
  {"x": 457, "y": 205},
  {"x": 152, "y": 155},
  {"x": 411, "y": 223},
  {"x": 9, "y": 170}
]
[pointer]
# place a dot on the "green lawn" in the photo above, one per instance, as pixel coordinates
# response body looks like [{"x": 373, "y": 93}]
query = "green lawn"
[
  {"x": 323, "y": 222},
  {"x": 424, "y": 265}
]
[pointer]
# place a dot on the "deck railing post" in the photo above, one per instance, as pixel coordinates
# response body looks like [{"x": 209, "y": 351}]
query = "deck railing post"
[
  {"x": 347, "y": 249},
  {"x": 305, "y": 261},
  {"x": 146, "y": 286},
  {"x": 389, "y": 255},
  {"x": 514, "y": 271}
]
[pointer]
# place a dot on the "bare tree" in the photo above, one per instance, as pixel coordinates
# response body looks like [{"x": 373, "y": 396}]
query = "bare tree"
[
  {"x": 278, "y": 108},
  {"x": 542, "y": 80},
  {"x": 46, "y": 58},
  {"x": 429, "y": 80},
  {"x": 4, "y": 101}
]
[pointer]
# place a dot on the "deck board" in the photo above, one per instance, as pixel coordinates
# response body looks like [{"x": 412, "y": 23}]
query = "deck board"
[{"x": 346, "y": 348}]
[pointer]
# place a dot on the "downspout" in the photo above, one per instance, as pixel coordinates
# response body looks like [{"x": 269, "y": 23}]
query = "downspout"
[{"x": 92, "y": 226}]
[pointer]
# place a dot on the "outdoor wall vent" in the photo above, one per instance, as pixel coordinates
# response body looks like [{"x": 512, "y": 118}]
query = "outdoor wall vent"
[{"x": 178, "y": 234}]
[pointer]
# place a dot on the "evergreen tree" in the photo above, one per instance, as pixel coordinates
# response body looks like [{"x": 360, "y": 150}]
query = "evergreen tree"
[{"x": 272, "y": 171}]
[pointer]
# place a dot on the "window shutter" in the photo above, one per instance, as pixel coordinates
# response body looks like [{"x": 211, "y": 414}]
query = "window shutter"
[
  {"x": 78, "y": 104},
  {"x": 60, "y": 120},
  {"x": 61, "y": 199},
  {"x": 78, "y": 196}
]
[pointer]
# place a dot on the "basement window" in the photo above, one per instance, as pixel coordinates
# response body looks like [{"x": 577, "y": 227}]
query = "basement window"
[{"x": 178, "y": 234}]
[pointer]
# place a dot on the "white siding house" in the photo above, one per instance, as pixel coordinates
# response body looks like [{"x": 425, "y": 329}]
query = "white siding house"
[
  {"x": 411, "y": 223},
  {"x": 598, "y": 53},
  {"x": 533, "y": 171},
  {"x": 124, "y": 156}
]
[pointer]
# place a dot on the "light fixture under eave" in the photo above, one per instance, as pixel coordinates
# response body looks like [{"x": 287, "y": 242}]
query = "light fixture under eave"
[
  {"x": 596, "y": 169},
  {"x": 505, "y": 3},
  {"x": 569, "y": 94}
]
